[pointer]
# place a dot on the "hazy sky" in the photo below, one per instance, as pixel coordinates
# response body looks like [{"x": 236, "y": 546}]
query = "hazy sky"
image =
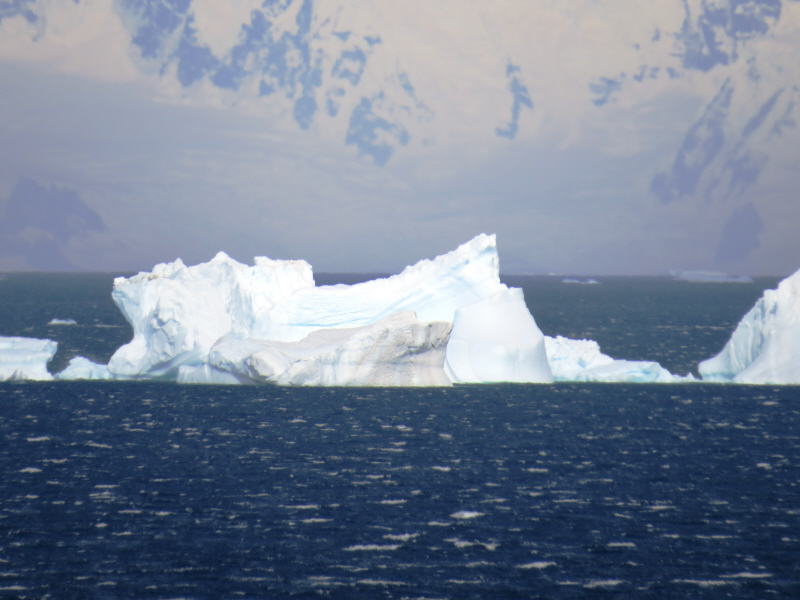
[{"x": 592, "y": 136}]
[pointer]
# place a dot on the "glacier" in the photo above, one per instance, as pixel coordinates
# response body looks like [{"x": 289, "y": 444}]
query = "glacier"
[
  {"x": 24, "y": 358},
  {"x": 765, "y": 346},
  {"x": 440, "y": 321}
]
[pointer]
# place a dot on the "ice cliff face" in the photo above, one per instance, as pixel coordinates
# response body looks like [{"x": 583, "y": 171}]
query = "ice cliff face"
[
  {"x": 25, "y": 358},
  {"x": 398, "y": 350},
  {"x": 226, "y": 322},
  {"x": 765, "y": 346}
]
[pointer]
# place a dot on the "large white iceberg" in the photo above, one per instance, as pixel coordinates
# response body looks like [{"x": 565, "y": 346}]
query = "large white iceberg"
[
  {"x": 765, "y": 346},
  {"x": 439, "y": 321},
  {"x": 24, "y": 358}
]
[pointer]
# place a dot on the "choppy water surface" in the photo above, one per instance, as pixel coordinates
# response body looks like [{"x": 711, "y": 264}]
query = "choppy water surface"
[{"x": 113, "y": 490}]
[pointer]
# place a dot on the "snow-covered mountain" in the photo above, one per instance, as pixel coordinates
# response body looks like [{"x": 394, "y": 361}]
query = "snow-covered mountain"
[{"x": 679, "y": 114}]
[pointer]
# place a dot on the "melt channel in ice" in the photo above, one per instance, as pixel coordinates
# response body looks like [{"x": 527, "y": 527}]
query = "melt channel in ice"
[
  {"x": 24, "y": 358},
  {"x": 765, "y": 346},
  {"x": 439, "y": 321}
]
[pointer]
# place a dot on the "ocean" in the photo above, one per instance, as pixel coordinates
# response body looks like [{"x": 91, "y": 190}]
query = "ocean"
[{"x": 157, "y": 490}]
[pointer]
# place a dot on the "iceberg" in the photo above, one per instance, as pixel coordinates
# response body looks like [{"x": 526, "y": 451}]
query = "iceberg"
[
  {"x": 765, "y": 346},
  {"x": 709, "y": 277},
  {"x": 24, "y": 358},
  {"x": 440, "y": 321},
  {"x": 582, "y": 360},
  {"x": 443, "y": 321},
  {"x": 57, "y": 321},
  {"x": 83, "y": 368}
]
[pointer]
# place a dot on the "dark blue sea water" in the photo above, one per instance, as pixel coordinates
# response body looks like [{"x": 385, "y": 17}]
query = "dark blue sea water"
[{"x": 152, "y": 490}]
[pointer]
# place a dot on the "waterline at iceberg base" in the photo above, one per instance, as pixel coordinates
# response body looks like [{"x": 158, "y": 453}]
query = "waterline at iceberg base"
[{"x": 440, "y": 321}]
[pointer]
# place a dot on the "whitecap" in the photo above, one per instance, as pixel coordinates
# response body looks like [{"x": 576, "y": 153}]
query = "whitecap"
[
  {"x": 380, "y": 582},
  {"x": 92, "y": 444},
  {"x": 459, "y": 543},
  {"x": 466, "y": 514},
  {"x": 315, "y": 520},
  {"x": 400, "y": 537},
  {"x": 704, "y": 582},
  {"x": 596, "y": 583},
  {"x": 371, "y": 547},
  {"x": 537, "y": 564}
]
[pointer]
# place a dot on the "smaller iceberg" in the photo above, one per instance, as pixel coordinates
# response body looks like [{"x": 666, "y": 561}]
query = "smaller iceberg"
[
  {"x": 62, "y": 322},
  {"x": 83, "y": 368},
  {"x": 765, "y": 346},
  {"x": 24, "y": 358},
  {"x": 582, "y": 360}
]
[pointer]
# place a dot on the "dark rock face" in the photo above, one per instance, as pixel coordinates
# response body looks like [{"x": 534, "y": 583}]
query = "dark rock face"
[{"x": 38, "y": 221}]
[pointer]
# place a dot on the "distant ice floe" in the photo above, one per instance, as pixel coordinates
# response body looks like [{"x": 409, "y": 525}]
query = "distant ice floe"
[
  {"x": 25, "y": 358},
  {"x": 572, "y": 280},
  {"x": 62, "y": 322},
  {"x": 709, "y": 277},
  {"x": 765, "y": 346}
]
